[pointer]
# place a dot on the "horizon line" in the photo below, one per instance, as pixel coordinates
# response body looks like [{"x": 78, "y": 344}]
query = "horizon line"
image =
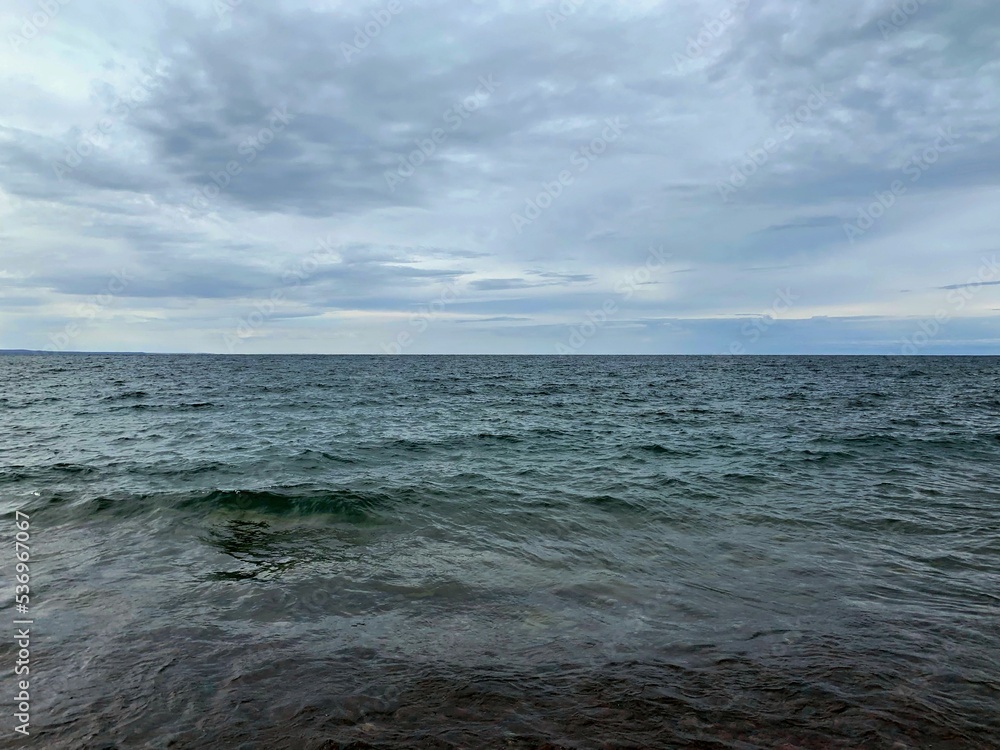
[{"x": 44, "y": 352}]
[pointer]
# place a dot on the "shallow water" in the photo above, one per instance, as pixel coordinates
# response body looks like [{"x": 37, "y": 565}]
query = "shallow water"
[{"x": 457, "y": 552}]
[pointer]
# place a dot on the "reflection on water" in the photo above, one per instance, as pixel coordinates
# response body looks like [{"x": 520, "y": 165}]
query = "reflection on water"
[{"x": 262, "y": 551}]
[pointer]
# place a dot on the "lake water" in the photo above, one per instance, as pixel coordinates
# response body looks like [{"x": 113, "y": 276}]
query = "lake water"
[{"x": 521, "y": 552}]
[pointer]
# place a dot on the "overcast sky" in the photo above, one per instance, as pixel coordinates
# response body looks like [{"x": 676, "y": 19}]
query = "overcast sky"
[{"x": 491, "y": 176}]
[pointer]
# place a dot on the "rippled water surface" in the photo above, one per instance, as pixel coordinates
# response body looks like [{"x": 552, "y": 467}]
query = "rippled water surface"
[{"x": 463, "y": 552}]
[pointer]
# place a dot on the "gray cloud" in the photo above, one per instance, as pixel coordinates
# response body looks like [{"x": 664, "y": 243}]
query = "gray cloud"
[{"x": 226, "y": 160}]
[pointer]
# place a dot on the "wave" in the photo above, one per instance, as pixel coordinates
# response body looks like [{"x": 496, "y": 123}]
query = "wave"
[
  {"x": 356, "y": 506},
  {"x": 351, "y": 505},
  {"x": 663, "y": 450},
  {"x": 165, "y": 407},
  {"x": 126, "y": 396},
  {"x": 310, "y": 453}
]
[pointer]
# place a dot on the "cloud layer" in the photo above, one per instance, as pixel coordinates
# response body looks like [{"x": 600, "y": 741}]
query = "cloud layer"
[{"x": 538, "y": 177}]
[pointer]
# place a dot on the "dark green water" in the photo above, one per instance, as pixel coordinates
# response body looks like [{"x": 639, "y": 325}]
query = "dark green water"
[{"x": 459, "y": 552}]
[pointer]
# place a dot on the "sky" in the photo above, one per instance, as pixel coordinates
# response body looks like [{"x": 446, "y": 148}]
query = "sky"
[{"x": 491, "y": 176}]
